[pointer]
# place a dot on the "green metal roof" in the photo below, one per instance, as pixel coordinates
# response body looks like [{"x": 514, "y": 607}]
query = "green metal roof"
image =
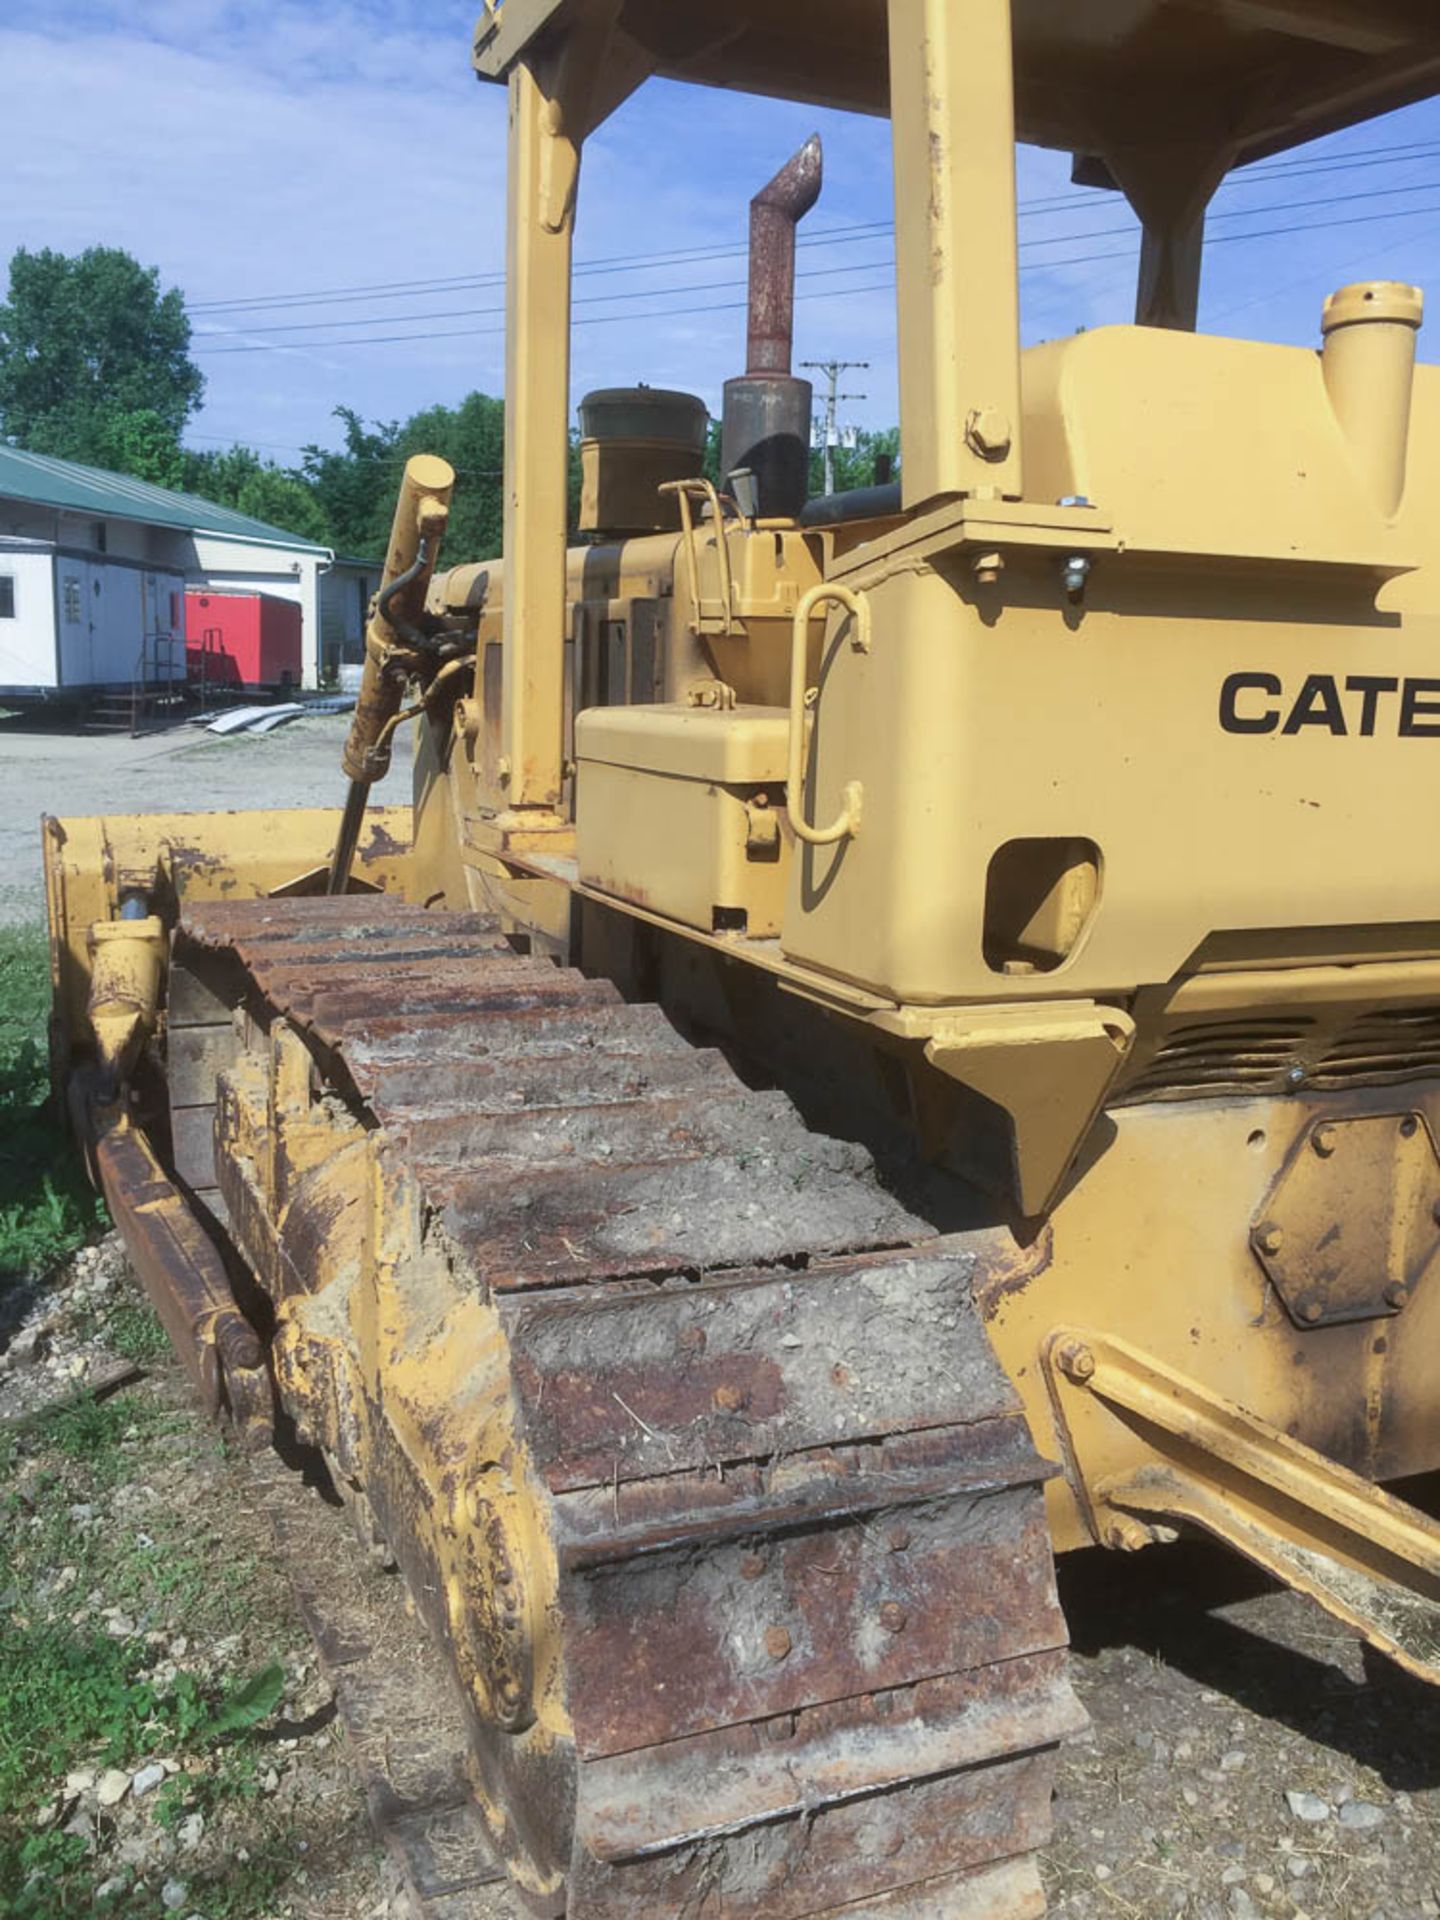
[{"x": 66, "y": 484}]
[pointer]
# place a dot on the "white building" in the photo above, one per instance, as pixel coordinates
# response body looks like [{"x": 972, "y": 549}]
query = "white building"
[
  {"x": 93, "y": 567},
  {"x": 346, "y": 591}
]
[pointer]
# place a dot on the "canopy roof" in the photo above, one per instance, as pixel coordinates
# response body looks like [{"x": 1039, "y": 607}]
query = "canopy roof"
[{"x": 1092, "y": 76}]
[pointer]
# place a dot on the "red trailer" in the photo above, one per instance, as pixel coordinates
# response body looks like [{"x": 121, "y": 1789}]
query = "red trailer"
[{"x": 242, "y": 639}]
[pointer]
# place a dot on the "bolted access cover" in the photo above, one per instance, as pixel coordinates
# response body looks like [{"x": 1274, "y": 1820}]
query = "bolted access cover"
[{"x": 1352, "y": 1222}]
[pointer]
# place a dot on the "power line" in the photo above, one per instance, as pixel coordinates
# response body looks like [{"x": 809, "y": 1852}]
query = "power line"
[
  {"x": 847, "y": 234},
  {"x": 634, "y": 262},
  {"x": 1127, "y": 230},
  {"x": 666, "y": 313},
  {"x": 593, "y": 299},
  {"x": 586, "y": 320}
]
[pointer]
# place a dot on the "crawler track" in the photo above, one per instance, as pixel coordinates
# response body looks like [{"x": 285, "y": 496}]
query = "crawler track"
[{"x": 686, "y": 1436}]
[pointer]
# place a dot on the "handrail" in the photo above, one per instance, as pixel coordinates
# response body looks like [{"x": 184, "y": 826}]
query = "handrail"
[
  {"x": 802, "y": 700},
  {"x": 705, "y": 489}
]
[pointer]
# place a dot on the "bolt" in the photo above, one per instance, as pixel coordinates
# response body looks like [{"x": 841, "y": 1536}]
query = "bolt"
[
  {"x": 988, "y": 568},
  {"x": 729, "y": 1399},
  {"x": 1295, "y": 1077},
  {"x": 1323, "y": 1140},
  {"x": 1396, "y": 1295},
  {"x": 777, "y": 1642},
  {"x": 1311, "y": 1311},
  {"x": 987, "y": 432},
  {"x": 751, "y": 1567},
  {"x": 898, "y": 1539},
  {"x": 1126, "y": 1535},
  {"x": 1269, "y": 1237},
  {"x": 1075, "y": 1361},
  {"x": 892, "y": 1616},
  {"x": 1074, "y": 573},
  {"x": 1408, "y": 1126},
  {"x": 1073, "y": 500}
]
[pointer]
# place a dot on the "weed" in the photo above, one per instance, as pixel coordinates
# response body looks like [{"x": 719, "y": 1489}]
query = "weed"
[
  {"x": 98, "y": 1433},
  {"x": 65, "y": 1694},
  {"x": 84, "y": 1429},
  {"x": 248, "y": 1704},
  {"x": 134, "y": 1332},
  {"x": 34, "y": 1870},
  {"x": 68, "y": 1696},
  {"x": 46, "y": 1206}
]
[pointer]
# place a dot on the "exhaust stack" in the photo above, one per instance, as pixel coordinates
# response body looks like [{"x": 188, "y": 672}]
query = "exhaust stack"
[{"x": 767, "y": 410}]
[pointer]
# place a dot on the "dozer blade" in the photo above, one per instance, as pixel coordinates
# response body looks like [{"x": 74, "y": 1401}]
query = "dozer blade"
[
  {"x": 1369, "y": 1559},
  {"x": 91, "y": 861}
]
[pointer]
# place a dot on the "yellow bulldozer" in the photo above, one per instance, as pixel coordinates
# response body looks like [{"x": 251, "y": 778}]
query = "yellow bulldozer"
[{"x": 900, "y": 1035}]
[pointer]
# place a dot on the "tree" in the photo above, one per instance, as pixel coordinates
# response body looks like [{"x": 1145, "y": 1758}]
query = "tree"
[
  {"x": 239, "y": 478},
  {"x": 855, "y": 466},
  {"x": 140, "y": 443},
  {"x": 472, "y": 438},
  {"x": 355, "y": 487},
  {"x": 95, "y": 361}
]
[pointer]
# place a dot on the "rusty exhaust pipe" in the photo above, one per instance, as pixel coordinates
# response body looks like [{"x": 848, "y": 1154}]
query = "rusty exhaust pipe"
[
  {"x": 775, "y": 212},
  {"x": 767, "y": 410}
]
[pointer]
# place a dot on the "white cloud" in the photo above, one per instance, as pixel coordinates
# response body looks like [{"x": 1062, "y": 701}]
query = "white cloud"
[{"x": 251, "y": 149}]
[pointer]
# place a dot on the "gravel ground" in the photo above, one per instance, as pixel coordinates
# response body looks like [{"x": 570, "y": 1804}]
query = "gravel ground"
[
  {"x": 49, "y": 768},
  {"x": 1247, "y": 1757},
  {"x": 172, "y": 1827}
]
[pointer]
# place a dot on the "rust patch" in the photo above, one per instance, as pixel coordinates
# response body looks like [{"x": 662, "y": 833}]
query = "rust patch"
[
  {"x": 1003, "y": 1267},
  {"x": 381, "y": 844}
]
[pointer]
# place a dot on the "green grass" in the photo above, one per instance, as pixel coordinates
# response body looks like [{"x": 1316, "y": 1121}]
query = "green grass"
[
  {"x": 133, "y": 1330},
  {"x": 47, "y": 1208},
  {"x": 72, "y": 1694},
  {"x": 68, "y": 1697}
]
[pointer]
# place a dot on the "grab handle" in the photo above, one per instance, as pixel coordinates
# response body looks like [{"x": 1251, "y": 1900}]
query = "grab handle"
[{"x": 802, "y": 700}]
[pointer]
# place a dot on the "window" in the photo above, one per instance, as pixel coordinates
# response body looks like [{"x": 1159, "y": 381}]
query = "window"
[
  {"x": 99, "y": 536},
  {"x": 70, "y": 588},
  {"x": 7, "y": 596}
]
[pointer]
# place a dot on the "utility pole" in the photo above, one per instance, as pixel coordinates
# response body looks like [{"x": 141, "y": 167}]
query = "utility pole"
[{"x": 832, "y": 369}]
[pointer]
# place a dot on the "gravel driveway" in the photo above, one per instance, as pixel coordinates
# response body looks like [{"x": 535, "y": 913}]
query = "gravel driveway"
[{"x": 49, "y": 768}]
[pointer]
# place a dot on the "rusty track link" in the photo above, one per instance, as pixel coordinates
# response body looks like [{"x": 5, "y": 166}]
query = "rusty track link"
[{"x": 686, "y": 1436}]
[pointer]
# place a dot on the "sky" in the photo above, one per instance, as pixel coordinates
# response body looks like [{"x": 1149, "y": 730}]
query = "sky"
[{"x": 280, "y": 160}]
